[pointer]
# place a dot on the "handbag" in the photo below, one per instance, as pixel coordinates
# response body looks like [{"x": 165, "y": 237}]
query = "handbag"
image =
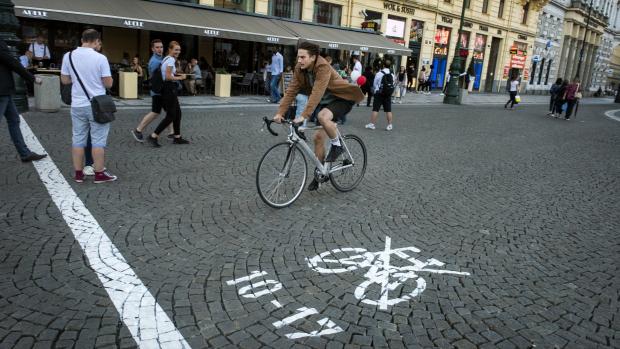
[
  {"x": 103, "y": 106},
  {"x": 518, "y": 99}
]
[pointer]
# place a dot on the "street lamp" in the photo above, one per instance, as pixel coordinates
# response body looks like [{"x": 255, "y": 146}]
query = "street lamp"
[
  {"x": 583, "y": 43},
  {"x": 8, "y": 33},
  {"x": 452, "y": 92}
]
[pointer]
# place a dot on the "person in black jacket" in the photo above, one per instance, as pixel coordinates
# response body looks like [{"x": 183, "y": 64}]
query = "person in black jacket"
[
  {"x": 367, "y": 87},
  {"x": 8, "y": 65}
]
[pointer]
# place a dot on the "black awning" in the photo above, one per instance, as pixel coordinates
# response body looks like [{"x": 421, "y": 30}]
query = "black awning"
[{"x": 158, "y": 16}]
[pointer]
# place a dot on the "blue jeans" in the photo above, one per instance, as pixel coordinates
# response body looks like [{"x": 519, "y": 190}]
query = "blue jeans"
[
  {"x": 275, "y": 91},
  {"x": 8, "y": 108}
]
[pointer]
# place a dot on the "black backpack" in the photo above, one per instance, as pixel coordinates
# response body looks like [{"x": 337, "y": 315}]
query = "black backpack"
[
  {"x": 387, "y": 87},
  {"x": 157, "y": 82}
]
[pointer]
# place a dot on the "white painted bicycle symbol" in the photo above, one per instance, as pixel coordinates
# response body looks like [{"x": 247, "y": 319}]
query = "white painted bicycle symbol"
[{"x": 380, "y": 271}]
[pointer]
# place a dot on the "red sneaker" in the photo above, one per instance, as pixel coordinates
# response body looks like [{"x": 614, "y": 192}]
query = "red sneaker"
[
  {"x": 79, "y": 176},
  {"x": 104, "y": 176}
]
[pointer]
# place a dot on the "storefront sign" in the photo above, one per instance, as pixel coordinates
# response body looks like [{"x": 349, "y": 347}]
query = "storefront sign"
[
  {"x": 441, "y": 51},
  {"x": 526, "y": 74},
  {"x": 517, "y": 61},
  {"x": 479, "y": 46},
  {"x": 34, "y": 13},
  {"x": 522, "y": 37},
  {"x": 371, "y": 26},
  {"x": 133, "y": 24},
  {"x": 484, "y": 28},
  {"x": 211, "y": 32},
  {"x": 399, "y": 8},
  {"x": 506, "y": 71},
  {"x": 333, "y": 45},
  {"x": 467, "y": 25},
  {"x": 363, "y": 48},
  {"x": 417, "y": 32},
  {"x": 446, "y": 19},
  {"x": 398, "y": 41},
  {"x": 395, "y": 28},
  {"x": 442, "y": 36},
  {"x": 273, "y": 39}
]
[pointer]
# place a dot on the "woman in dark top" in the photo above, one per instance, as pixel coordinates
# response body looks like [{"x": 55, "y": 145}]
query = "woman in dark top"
[
  {"x": 367, "y": 87},
  {"x": 553, "y": 92},
  {"x": 559, "y": 100}
]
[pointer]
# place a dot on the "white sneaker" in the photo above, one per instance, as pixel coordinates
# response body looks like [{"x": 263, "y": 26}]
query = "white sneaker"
[
  {"x": 400, "y": 102},
  {"x": 370, "y": 126},
  {"x": 88, "y": 171},
  {"x": 389, "y": 127},
  {"x": 441, "y": 94}
]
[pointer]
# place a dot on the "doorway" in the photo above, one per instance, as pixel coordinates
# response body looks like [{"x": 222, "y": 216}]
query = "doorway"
[{"x": 490, "y": 78}]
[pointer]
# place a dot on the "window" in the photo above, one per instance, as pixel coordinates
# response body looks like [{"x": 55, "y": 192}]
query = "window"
[
  {"x": 548, "y": 71},
  {"x": 540, "y": 73},
  {"x": 241, "y": 5},
  {"x": 467, "y": 3},
  {"x": 327, "y": 13},
  {"x": 485, "y": 6},
  {"x": 526, "y": 10},
  {"x": 500, "y": 12},
  {"x": 285, "y": 8},
  {"x": 533, "y": 73}
]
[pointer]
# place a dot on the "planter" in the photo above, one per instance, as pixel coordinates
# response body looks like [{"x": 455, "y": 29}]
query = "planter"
[
  {"x": 222, "y": 85},
  {"x": 47, "y": 94},
  {"x": 128, "y": 85}
]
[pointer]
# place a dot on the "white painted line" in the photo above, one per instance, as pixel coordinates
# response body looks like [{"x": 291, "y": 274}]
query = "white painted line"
[
  {"x": 611, "y": 114},
  {"x": 276, "y": 303},
  {"x": 385, "y": 257},
  {"x": 149, "y": 325},
  {"x": 302, "y": 313},
  {"x": 252, "y": 275}
]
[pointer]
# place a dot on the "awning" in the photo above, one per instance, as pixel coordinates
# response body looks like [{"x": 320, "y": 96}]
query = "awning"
[
  {"x": 148, "y": 15},
  {"x": 344, "y": 39}
]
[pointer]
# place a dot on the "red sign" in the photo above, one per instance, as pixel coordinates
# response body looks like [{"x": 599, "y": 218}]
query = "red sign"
[
  {"x": 517, "y": 61},
  {"x": 442, "y": 35},
  {"x": 398, "y": 41},
  {"x": 370, "y": 26}
]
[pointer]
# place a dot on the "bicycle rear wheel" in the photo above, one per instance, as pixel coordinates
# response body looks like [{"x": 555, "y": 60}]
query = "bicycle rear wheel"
[
  {"x": 349, "y": 168},
  {"x": 281, "y": 175}
]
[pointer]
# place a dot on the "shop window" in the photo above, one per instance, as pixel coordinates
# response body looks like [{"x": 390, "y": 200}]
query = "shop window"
[
  {"x": 533, "y": 73},
  {"x": 285, "y": 8},
  {"x": 540, "y": 73},
  {"x": 548, "y": 71},
  {"x": 485, "y": 6},
  {"x": 327, "y": 13},
  {"x": 500, "y": 12},
  {"x": 241, "y": 5},
  {"x": 526, "y": 11}
]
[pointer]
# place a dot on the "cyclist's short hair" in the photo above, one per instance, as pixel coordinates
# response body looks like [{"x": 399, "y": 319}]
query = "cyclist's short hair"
[
  {"x": 172, "y": 44},
  {"x": 387, "y": 63},
  {"x": 313, "y": 49},
  {"x": 156, "y": 41},
  {"x": 90, "y": 35}
]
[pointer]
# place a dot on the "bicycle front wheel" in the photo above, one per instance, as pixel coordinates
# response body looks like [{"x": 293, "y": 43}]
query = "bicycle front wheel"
[
  {"x": 348, "y": 170},
  {"x": 281, "y": 175}
]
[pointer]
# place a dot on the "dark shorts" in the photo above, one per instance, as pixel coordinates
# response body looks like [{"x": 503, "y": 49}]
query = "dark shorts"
[
  {"x": 385, "y": 101},
  {"x": 156, "y": 104},
  {"x": 340, "y": 108}
]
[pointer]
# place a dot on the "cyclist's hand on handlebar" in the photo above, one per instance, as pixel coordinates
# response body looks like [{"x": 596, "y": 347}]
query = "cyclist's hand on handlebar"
[{"x": 278, "y": 118}]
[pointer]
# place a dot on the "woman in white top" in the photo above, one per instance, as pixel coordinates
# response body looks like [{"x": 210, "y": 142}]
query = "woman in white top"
[
  {"x": 513, "y": 89},
  {"x": 169, "y": 97}
]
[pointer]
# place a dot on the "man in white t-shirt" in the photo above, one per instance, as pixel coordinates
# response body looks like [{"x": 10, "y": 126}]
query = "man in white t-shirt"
[
  {"x": 40, "y": 51},
  {"x": 93, "y": 70},
  {"x": 357, "y": 65}
]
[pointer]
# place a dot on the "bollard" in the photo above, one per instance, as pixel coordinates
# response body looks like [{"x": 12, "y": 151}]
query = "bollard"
[{"x": 47, "y": 94}]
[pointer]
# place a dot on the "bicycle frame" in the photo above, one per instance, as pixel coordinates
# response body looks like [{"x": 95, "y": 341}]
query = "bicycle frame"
[{"x": 325, "y": 169}]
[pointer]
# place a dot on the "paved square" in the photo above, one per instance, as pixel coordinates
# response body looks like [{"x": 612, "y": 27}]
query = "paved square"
[{"x": 473, "y": 227}]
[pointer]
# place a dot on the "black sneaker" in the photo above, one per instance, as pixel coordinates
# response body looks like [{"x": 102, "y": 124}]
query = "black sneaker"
[
  {"x": 153, "y": 142},
  {"x": 137, "y": 135},
  {"x": 33, "y": 157},
  {"x": 170, "y": 136},
  {"x": 334, "y": 153},
  {"x": 314, "y": 185},
  {"x": 180, "y": 140}
]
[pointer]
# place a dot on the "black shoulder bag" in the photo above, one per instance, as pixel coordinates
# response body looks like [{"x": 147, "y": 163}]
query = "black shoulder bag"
[{"x": 103, "y": 106}]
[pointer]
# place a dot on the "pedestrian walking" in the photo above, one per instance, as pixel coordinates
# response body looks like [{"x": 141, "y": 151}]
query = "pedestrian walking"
[
  {"x": 513, "y": 89},
  {"x": 277, "y": 67},
  {"x": 357, "y": 65},
  {"x": 560, "y": 99},
  {"x": 8, "y": 65},
  {"x": 169, "y": 95},
  {"x": 410, "y": 77},
  {"x": 367, "y": 87},
  {"x": 429, "y": 80},
  {"x": 383, "y": 88},
  {"x": 572, "y": 92},
  {"x": 422, "y": 77},
  {"x": 553, "y": 95},
  {"x": 157, "y": 47},
  {"x": 93, "y": 69},
  {"x": 401, "y": 83}
]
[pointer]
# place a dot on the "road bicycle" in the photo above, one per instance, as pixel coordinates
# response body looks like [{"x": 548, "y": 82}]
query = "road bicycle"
[{"x": 282, "y": 172}]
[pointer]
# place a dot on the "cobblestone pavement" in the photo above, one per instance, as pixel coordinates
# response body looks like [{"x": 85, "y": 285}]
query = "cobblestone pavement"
[{"x": 522, "y": 209}]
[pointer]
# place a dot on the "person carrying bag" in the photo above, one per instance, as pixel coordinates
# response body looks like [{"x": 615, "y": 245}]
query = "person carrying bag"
[{"x": 103, "y": 105}]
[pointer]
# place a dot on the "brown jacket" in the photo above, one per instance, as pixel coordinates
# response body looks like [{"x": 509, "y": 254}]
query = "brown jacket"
[{"x": 325, "y": 78}]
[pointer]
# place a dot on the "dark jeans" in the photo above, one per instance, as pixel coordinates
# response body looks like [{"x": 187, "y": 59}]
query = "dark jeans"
[
  {"x": 512, "y": 99},
  {"x": 275, "y": 91},
  {"x": 172, "y": 108},
  {"x": 558, "y": 106},
  {"x": 8, "y": 108},
  {"x": 552, "y": 103},
  {"x": 570, "y": 107},
  {"x": 88, "y": 152}
]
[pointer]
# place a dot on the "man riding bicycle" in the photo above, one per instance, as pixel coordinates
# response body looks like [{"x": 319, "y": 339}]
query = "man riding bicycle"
[{"x": 333, "y": 96}]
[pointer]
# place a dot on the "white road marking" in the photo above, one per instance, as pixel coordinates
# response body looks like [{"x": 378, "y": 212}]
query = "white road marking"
[
  {"x": 245, "y": 289},
  {"x": 149, "y": 325},
  {"x": 252, "y": 275},
  {"x": 302, "y": 313},
  {"x": 612, "y": 114},
  {"x": 276, "y": 303}
]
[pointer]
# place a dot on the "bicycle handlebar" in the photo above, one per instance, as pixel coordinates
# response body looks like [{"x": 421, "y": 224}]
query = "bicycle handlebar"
[{"x": 295, "y": 126}]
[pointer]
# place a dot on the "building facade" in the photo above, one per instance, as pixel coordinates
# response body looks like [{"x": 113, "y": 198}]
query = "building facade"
[{"x": 547, "y": 48}]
